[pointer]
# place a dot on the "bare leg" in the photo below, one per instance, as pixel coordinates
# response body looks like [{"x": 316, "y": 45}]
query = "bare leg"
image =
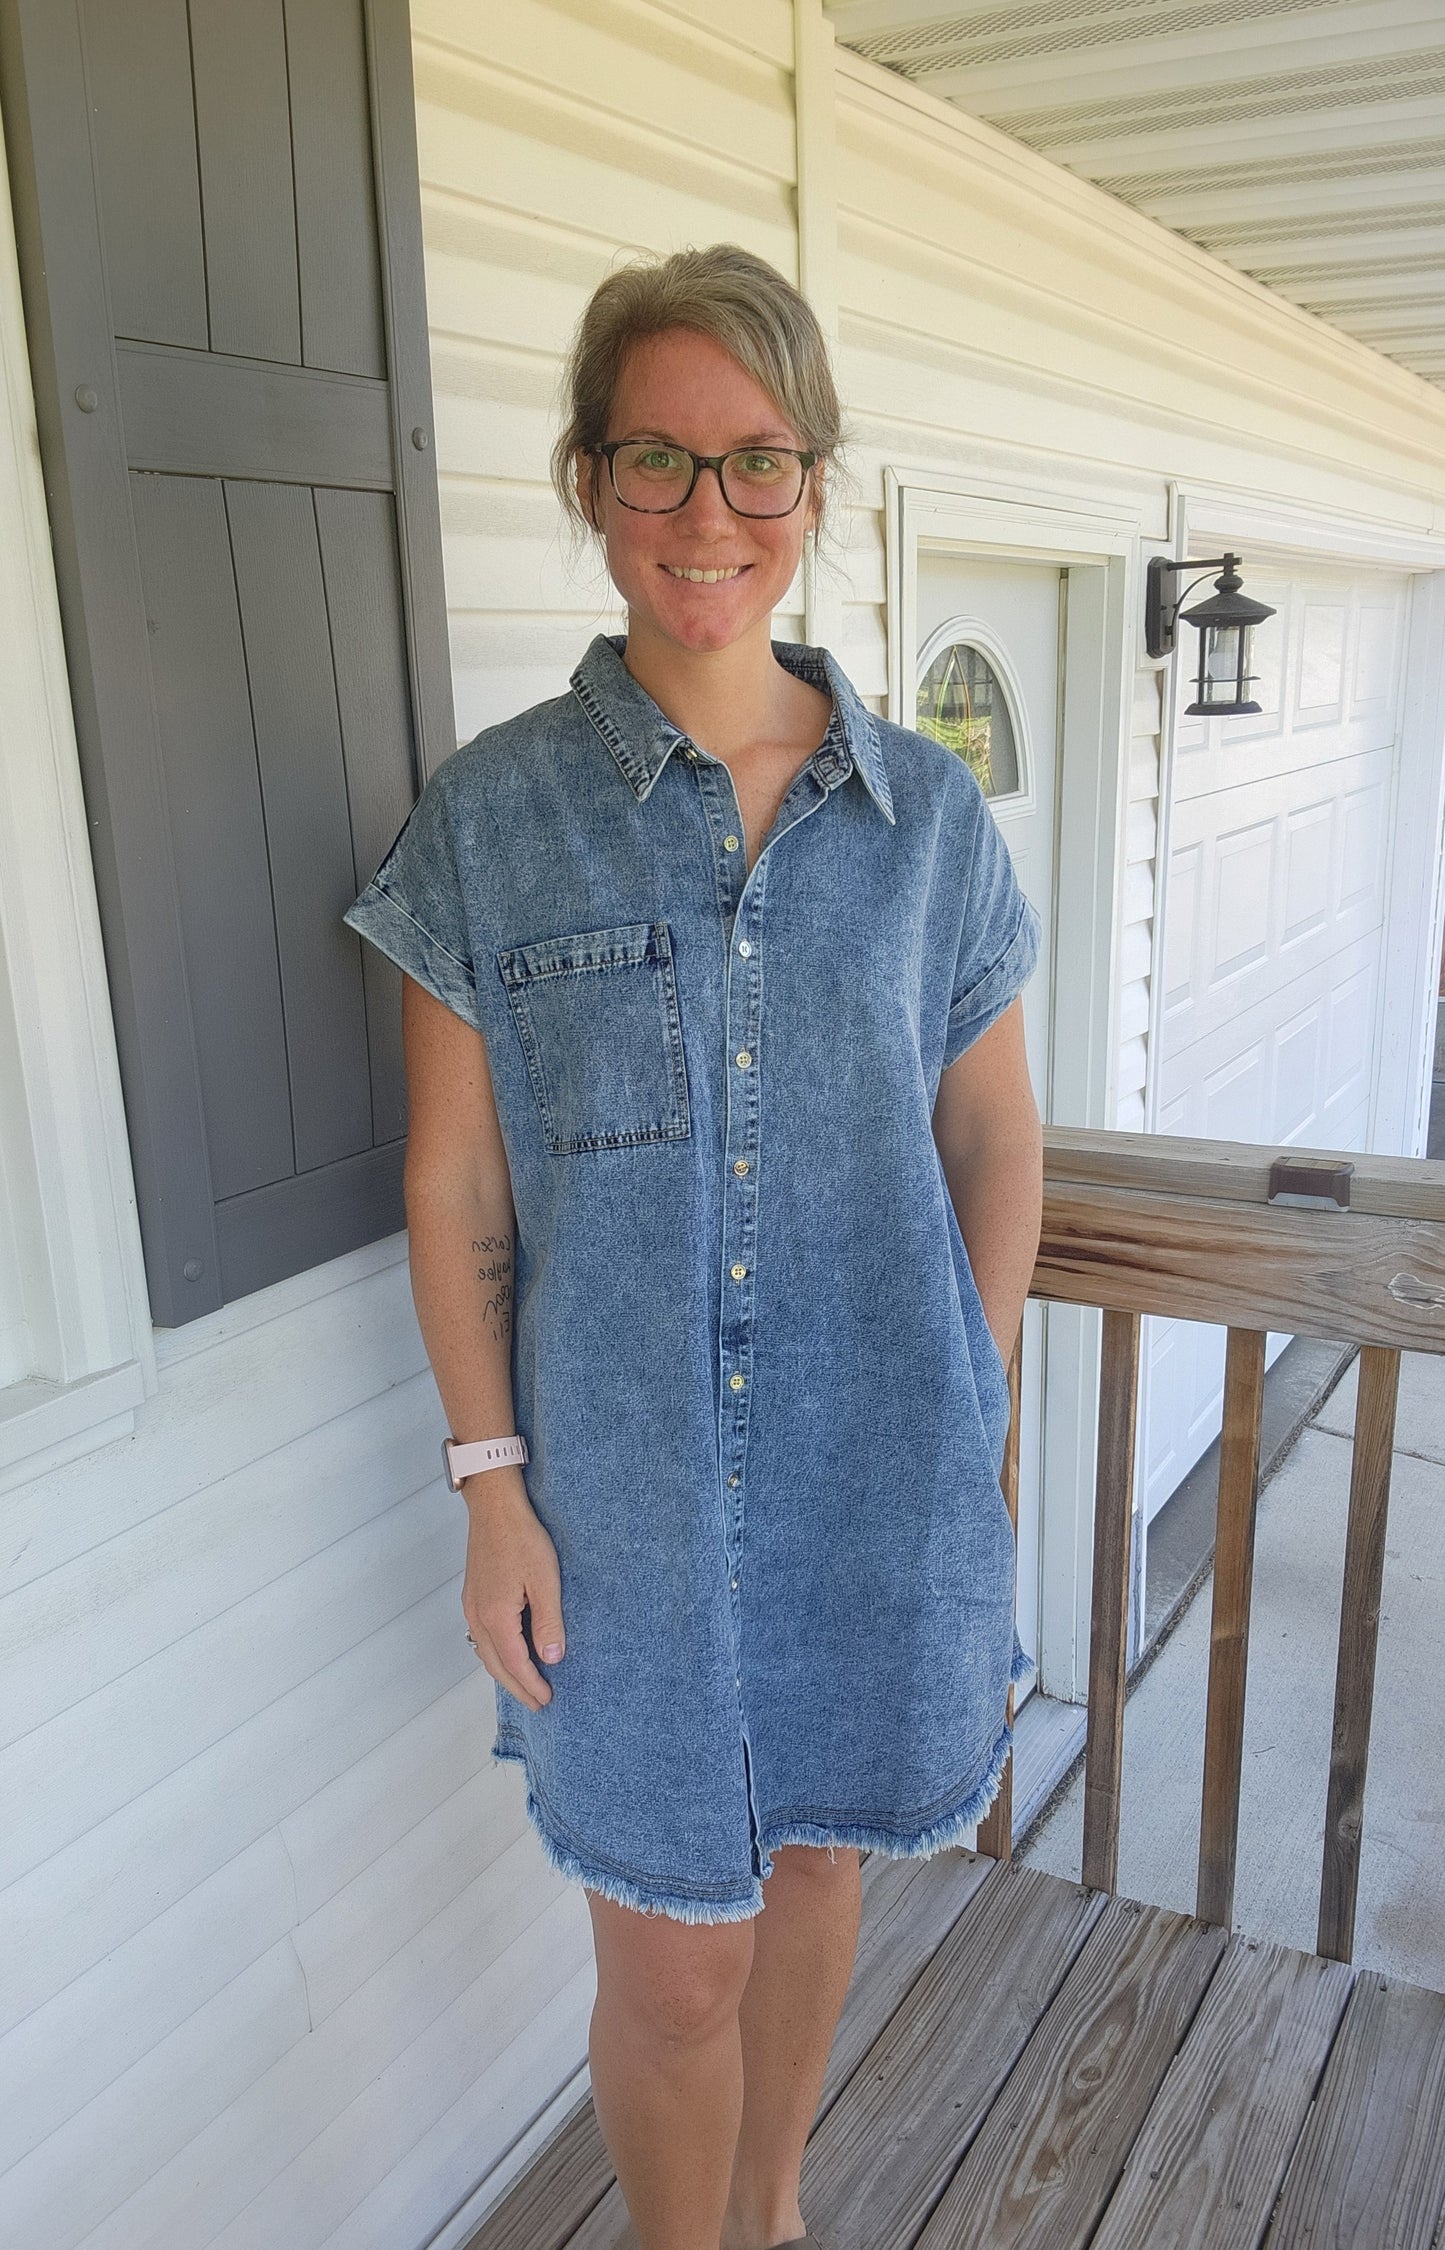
[
  {"x": 667, "y": 2065},
  {"x": 709, "y": 2045},
  {"x": 805, "y": 1945}
]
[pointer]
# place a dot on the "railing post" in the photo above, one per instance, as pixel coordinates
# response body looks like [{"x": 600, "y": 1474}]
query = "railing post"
[
  {"x": 996, "y": 1829},
  {"x": 1229, "y": 1631},
  {"x": 1109, "y": 1614},
  {"x": 1359, "y": 1632}
]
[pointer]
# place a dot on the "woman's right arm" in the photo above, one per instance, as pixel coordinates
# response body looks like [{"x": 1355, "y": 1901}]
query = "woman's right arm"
[{"x": 461, "y": 1223}]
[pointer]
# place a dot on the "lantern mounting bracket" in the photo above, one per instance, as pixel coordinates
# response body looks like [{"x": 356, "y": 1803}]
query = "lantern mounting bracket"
[{"x": 1162, "y": 605}]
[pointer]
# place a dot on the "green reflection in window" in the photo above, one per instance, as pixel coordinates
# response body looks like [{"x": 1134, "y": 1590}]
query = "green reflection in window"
[{"x": 961, "y": 703}]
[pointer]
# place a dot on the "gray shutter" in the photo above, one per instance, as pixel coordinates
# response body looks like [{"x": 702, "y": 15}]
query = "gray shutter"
[{"x": 220, "y": 243}]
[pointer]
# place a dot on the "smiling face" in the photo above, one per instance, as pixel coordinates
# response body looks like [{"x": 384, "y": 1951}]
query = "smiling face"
[{"x": 701, "y": 578}]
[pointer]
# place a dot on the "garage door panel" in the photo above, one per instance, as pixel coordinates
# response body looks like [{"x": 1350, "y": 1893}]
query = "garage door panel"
[
  {"x": 1320, "y": 680},
  {"x": 1377, "y": 656},
  {"x": 1343, "y": 983},
  {"x": 1309, "y": 885},
  {"x": 1257, "y": 903},
  {"x": 1243, "y": 865},
  {"x": 1283, "y": 760},
  {"x": 1200, "y": 1006},
  {"x": 1364, "y": 813}
]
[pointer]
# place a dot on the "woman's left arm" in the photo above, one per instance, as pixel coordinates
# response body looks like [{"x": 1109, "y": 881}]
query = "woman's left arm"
[{"x": 986, "y": 1126}]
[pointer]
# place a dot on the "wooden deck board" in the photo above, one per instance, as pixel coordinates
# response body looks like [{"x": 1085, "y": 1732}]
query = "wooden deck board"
[
  {"x": 1205, "y": 2170},
  {"x": 1055, "y": 2141},
  {"x": 878, "y": 2162},
  {"x": 1023, "y": 2062},
  {"x": 1370, "y": 2166}
]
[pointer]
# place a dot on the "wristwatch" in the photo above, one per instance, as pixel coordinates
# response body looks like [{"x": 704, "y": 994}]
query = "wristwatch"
[{"x": 460, "y": 1461}]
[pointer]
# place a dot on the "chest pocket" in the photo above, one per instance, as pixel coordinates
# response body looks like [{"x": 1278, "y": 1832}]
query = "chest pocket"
[{"x": 598, "y": 1019}]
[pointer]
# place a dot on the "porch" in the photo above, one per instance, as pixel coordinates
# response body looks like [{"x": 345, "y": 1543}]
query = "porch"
[{"x": 1024, "y": 2059}]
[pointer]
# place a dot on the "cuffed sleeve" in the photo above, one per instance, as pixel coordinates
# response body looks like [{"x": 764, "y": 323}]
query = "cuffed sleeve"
[
  {"x": 999, "y": 945},
  {"x": 413, "y": 909}
]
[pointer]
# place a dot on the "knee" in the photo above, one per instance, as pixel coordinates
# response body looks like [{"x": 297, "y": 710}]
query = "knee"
[{"x": 674, "y": 1986}]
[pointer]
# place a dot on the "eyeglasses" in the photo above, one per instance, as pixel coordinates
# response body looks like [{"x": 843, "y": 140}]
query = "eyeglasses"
[{"x": 657, "y": 477}]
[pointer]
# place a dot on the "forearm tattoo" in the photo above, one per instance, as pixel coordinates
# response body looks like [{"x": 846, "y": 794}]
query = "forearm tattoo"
[{"x": 495, "y": 1275}]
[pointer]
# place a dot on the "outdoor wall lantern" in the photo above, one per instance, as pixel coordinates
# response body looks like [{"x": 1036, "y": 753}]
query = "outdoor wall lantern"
[{"x": 1224, "y": 618}]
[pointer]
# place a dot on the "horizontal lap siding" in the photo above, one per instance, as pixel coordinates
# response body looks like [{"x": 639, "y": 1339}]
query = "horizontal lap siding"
[
  {"x": 555, "y": 140},
  {"x": 265, "y": 1893},
  {"x": 284, "y": 1962}
]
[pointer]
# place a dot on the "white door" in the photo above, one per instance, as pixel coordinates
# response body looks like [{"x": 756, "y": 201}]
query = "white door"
[
  {"x": 987, "y": 682},
  {"x": 1274, "y": 924}
]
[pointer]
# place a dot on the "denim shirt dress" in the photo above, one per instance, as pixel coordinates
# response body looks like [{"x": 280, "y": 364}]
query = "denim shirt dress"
[{"x": 765, "y": 1414}]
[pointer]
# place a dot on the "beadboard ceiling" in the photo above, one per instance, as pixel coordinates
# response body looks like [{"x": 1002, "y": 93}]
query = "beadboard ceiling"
[{"x": 1300, "y": 140}]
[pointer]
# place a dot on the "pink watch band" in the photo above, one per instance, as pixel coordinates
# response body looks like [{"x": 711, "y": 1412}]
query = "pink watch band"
[{"x": 487, "y": 1453}]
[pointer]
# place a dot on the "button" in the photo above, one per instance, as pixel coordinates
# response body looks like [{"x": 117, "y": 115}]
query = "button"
[
  {"x": 735, "y": 1585},
  {"x": 732, "y": 1481},
  {"x": 741, "y": 1166},
  {"x": 730, "y": 843},
  {"x": 735, "y": 1382},
  {"x": 744, "y": 948},
  {"x": 742, "y": 1058},
  {"x": 739, "y": 1273}
]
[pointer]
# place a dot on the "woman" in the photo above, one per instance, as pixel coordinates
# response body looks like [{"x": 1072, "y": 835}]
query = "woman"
[{"x": 715, "y": 1063}]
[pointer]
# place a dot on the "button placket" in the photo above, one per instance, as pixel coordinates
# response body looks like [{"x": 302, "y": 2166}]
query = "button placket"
[
  {"x": 741, "y": 1157},
  {"x": 740, "y": 900}
]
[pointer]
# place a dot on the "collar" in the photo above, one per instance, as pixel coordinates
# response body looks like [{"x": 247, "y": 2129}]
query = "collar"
[{"x": 641, "y": 737}]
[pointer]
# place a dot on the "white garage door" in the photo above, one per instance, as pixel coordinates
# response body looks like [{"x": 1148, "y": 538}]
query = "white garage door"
[{"x": 1274, "y": 924}]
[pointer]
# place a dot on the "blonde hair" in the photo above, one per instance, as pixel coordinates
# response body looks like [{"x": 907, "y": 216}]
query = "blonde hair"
[{"x": 724, "y": 292}]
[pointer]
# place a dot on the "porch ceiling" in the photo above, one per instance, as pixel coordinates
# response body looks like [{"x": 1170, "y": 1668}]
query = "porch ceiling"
[{"x": 1302, "y": 141}]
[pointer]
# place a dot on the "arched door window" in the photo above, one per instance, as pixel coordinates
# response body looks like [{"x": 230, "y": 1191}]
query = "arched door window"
[{"x": 962, "y": 703}]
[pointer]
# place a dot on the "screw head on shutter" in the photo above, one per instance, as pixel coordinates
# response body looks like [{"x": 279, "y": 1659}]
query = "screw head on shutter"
[
  {"x": 85, "y": 398},
  {"x": 420, "y": 439}
]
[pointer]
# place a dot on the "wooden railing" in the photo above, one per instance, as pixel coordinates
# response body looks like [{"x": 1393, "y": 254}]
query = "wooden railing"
[{"x": 1303, "y": 1241}]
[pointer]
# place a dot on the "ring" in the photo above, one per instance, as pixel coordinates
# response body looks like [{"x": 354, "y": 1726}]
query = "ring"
[{"x": 469, "y": 1637}]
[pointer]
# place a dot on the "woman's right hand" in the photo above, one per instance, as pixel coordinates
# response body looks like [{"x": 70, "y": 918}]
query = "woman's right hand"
[{"x": 511, "y": 1566}]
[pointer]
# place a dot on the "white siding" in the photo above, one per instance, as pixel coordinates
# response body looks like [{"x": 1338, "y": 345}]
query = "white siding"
[
  {"x": 551, "y": 146},
  {"x": 270, "y": 1911}
]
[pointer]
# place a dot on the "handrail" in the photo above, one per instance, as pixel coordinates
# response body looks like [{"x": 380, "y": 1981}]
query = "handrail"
[{"x": 1140, "y": 1223}]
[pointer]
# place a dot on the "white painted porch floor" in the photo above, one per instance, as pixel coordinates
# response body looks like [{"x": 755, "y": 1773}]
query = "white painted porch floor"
[{"x": 1299, "y": 1556}]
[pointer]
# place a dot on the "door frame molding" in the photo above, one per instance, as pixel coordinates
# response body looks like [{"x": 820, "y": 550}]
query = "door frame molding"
[{"x": 1098, "y": 544}]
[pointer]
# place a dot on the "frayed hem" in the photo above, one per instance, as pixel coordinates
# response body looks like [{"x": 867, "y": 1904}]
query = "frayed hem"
[
  {"x": 620, "y": 1888},
  {"x": 1022, "y": 1663},
  {"x": 941, "y": 1835}
]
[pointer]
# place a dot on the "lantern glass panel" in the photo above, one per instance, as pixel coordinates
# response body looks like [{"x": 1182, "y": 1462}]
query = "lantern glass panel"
[{"x": 1224, "y": 654}]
